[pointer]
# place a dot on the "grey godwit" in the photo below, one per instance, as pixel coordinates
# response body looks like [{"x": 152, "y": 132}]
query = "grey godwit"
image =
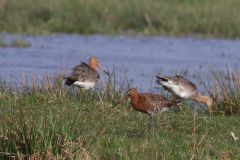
[
  {"x": 182, "y": 88},
  {"x": 148, "y": 103},
  {"x": 85, "y": 76}
]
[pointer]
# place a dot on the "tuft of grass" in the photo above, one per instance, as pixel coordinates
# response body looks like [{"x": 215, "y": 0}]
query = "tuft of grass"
[
  {"x": 3, "y": 41},
  {"x": 43, "y": 119},
  {"x": 2, "y": 44},
  {"x": 20, "y": 42},
  {"x": 17, "y": 42},
  {"x": 226, "y": 91},
  {"x": 179, "y": 18}
]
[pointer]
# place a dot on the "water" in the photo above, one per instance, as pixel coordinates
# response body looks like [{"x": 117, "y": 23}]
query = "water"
[{"x": 140, "y": 56}]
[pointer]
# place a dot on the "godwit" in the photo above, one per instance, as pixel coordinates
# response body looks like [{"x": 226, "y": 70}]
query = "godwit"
[
  {"x": 182, "y": 88},
  {"x": 148, "y": 103},
  {"x": 85, "y": 76}
]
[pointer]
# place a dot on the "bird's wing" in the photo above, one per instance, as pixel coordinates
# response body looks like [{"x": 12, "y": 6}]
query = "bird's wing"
[
  {"x": 158, "y": 102},
  {"x": 82, "y": 73},
  {"x": 185, "y": 83}
]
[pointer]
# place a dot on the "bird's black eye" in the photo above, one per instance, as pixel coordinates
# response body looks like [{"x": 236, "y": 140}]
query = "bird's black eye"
[{"x": 130, "y": 92}]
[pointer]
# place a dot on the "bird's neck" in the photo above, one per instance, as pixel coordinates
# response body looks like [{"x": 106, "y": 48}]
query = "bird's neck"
[
  {"x": 201, "y": 99},
  {"x": 206, "y": 100},
  {"x": 134, "y": 101},
  {"x": 93, "y": 67}
]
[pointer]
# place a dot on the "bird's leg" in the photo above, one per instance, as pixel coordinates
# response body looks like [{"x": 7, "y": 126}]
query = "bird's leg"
[
  {"x": 149, "y": 125},
  {"x": 79, "y": 94},
  {"x": 72, "y": 91},
  {"x": 86, "y": 95}
]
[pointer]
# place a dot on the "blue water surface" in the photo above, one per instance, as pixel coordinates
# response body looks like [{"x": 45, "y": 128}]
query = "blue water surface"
[{"x": 141, "y": 56}]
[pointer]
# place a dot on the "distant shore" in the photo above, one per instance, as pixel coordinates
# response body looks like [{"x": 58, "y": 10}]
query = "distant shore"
[{"x": 178, "y": 18}]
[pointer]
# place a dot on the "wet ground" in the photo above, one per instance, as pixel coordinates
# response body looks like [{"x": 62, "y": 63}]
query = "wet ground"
[{"x": 140, "y": 56}]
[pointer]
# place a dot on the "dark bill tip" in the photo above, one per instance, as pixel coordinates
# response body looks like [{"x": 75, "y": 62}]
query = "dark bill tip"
[
  {"x": 119, "y": 102},
  {"x": 107, "y": 73},
  {"x": 115, "y": 105}
]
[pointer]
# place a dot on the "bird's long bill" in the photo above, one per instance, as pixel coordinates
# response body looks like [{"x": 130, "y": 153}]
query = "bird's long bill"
[
  {"x": 119, "y": 102},
  {"x": 103, "y": 69}
]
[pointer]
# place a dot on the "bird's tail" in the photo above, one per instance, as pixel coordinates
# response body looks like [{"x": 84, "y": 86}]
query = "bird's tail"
[
  {"x": 69, "y": 82},
  {"x": 162, "y": 78}
]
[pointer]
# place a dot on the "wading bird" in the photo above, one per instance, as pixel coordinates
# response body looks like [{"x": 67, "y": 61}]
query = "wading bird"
[
  {"x": 85, "y": 76},
  {"x": 182, "y": 88},
  {"x": 148, "y": 103}
]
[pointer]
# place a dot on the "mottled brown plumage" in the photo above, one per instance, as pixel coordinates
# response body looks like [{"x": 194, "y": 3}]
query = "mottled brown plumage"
[
  {"x": 148, "y": 103},
  {"x": 182, "y": 88},
  {"x": 85, "y": 76}
]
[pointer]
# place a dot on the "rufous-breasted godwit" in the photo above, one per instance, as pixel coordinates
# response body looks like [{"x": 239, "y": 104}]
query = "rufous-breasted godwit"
[
  {"x": 85, "y": 76},
  {"x": 182, "y": 88},
  {"x": 148, "y": 103}
]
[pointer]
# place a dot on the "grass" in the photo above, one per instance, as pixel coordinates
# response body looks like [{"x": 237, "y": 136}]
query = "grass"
[
  {"x": 3, "y": 41},
  {"x": 44, "y": 119},
  {"x": 226, "y": 92},
  {"x": 18, "y": 41},
  {"x": 178, "y": 18}
]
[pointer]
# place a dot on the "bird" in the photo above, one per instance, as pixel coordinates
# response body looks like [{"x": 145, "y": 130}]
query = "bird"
[
  {"x": 148, "y": 103},
  {"x": 85, "y": 76},
  {"x": 182, "y": 88}
]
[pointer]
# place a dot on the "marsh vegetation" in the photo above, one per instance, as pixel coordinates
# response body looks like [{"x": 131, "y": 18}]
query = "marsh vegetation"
[
  {"x": 44, "y": 119},
  {"x": 179, "y": 18}
]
